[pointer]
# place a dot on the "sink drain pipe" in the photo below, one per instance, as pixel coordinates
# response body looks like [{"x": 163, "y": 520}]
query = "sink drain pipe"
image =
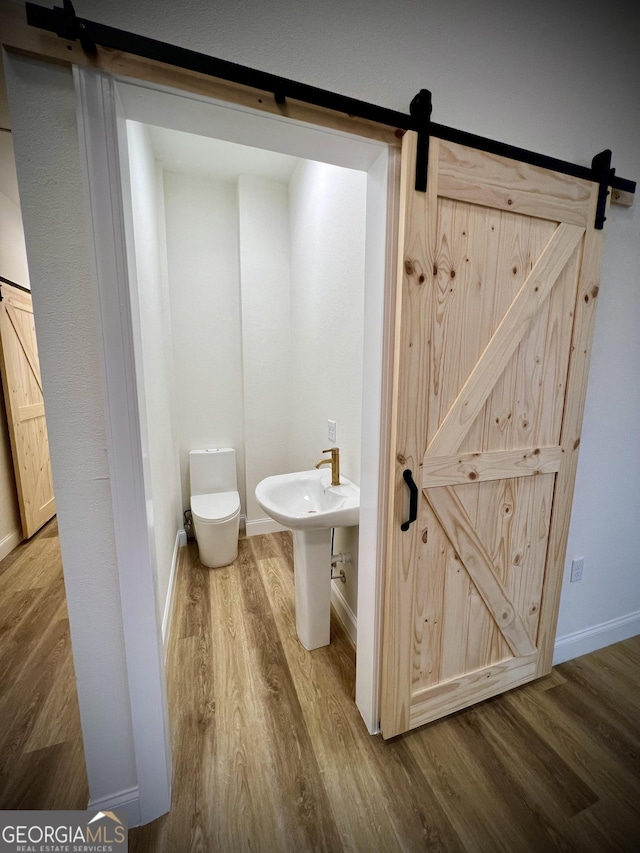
[{"x": 338, "y": 558}]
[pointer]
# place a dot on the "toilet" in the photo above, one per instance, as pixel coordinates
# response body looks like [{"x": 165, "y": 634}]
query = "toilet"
[{"x": 215, "y": 504}]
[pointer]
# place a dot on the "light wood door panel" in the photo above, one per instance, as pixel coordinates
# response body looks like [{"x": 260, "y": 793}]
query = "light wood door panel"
[
  {"x": 22, "y": 387},
  {"x": 497, "y": 278}
]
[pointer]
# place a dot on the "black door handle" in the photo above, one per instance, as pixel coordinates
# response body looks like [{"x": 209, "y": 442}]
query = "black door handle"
[{"x": 413, "y": 499}]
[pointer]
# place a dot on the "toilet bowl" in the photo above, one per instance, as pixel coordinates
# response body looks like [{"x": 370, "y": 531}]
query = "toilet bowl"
[
  {"x": 215, "y": 505},
  {"x": 216, "y": 520}
]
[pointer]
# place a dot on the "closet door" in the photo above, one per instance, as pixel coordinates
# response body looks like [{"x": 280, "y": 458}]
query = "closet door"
[
  {"x": 498, "y": 274},
  {"x": 25, "y": 409}
]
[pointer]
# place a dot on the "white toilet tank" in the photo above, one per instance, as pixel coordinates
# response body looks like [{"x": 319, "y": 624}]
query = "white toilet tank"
[
  {"x": 213, "y": 470},
  {"x": 215, "y": 504}
]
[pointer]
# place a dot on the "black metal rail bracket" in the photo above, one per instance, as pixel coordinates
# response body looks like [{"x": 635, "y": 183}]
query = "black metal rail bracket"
[
  {"x": 8, "y": 281},
  {"x": 64, "y": 22},
  {"x": 420, "y": 111},
  {"x": 603, "y": 175},
  {"x": 68, "y": 27}
]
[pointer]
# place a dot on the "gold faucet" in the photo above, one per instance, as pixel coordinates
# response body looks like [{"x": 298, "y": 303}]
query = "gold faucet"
[{"x": 335, "y": 464}]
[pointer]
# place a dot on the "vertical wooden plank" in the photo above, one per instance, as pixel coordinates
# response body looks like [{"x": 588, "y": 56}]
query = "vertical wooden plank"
[
  {"x": 584, "y": 321},
  {"x": 485, "y": 260},
  {"x": 446, "y": 324},
  {"x": 465, "y": 617},
  {"x": 527, "y": 557},
  {"x": 416, "y": 254},
  {"x": 440, "y": 583},
  {"x": 456, "y": 616},
  {"x": 558, "y": 349},
  {"x": 513, "y": 266},
  {"x": 435, "y": 557},
  {"x": 529, "y": 406},
  {"x": 494, "y": 517}
]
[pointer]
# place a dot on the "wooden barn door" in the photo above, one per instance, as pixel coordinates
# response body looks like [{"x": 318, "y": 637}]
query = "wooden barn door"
[
  {"x": 498, "y": 273},
  {"x": 25, "y": 409}
]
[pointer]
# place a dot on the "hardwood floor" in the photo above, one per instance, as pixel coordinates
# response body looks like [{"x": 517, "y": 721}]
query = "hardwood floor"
[
  {"x": 41, "y": 755},
  {"x": 270, "y": 752}
]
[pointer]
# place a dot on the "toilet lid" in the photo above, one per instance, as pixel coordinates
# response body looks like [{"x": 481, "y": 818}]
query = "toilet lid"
[{"x": 218, "y": 506}]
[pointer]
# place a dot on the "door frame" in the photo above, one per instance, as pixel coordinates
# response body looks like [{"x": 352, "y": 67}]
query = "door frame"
[
  {"x": 99, "y": 111},
  {"x": 97, "y": 132}
]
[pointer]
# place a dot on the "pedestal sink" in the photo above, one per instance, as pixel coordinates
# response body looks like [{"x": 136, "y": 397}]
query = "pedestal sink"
[{"x": 307, "y": 503}]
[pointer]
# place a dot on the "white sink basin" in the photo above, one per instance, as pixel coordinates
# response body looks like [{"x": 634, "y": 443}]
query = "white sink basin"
[{"x": 307, "y": 500}]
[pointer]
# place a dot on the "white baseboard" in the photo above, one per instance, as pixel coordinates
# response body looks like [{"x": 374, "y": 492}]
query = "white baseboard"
[
  {"x": 344, "y": 613},
  {"x": 9, "y": 542},
  {"x": 181, "y": 540},
  {"x": 597, "y": 637},
  {"x": 263, "y": 525},
  {"x": 127, "y": 801}
]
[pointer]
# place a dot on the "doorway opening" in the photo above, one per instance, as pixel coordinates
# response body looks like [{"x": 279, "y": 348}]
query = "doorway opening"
[
  {"x": 156, "y": 124},
  {"x": 248, "y": 282}
]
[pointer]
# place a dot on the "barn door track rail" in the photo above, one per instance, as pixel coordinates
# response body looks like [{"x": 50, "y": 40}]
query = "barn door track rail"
[
  {"x": 67, "y": 25},
  {"x": 8, "y": 281}
]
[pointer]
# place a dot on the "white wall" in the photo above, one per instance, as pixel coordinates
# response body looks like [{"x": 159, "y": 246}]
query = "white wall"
[
  {"x": 13, "y": 255},
  {"x": 270, "y": 419},
  {"x": 48, "y": 162},
  {"x": 263, "y": 355},
  {"x": 203, "y": 269},
  {"x": 328, "y": 211},
  {"x": 327, "y": 310},
  {"x": 154, "y": 357}
]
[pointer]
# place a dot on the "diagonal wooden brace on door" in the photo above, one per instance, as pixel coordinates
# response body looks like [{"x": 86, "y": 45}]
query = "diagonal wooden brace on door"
[
  {"x": 475, "y": 558},
  {"x": 27, "y": 348},
  {"x": 506, "y": 339}
]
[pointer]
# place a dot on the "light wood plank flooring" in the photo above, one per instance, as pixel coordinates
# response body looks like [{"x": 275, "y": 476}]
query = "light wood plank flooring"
[
  {"x": 41, "y": 754},
  {"x": 270, "y": 753}
]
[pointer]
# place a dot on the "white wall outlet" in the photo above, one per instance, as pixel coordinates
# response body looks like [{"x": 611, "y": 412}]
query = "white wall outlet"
[
  {"x": 331, "y": 431},
  {"x": 577, "y": 567}
]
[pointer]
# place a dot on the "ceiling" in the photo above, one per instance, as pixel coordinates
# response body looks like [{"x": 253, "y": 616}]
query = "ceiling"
[{"x": 200, "y": 155}]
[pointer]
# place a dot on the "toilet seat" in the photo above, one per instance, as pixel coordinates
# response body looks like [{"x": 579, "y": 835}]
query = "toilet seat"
[{"x": 215, "y": 507}]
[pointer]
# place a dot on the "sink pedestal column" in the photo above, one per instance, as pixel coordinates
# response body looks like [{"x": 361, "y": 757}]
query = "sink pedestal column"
[{"x": 312, "y": 573}]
